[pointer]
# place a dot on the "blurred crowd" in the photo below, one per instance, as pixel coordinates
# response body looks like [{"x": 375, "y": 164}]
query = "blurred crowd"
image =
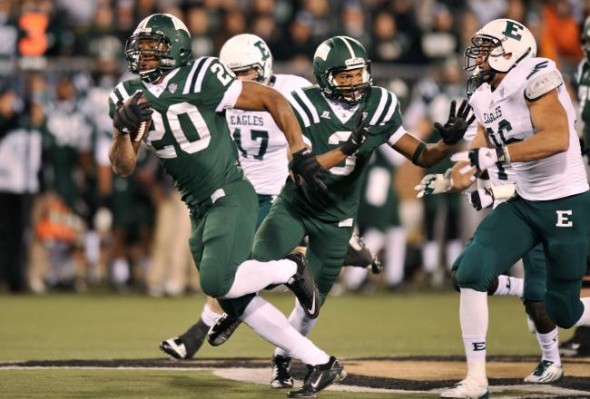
[{"x": 66, "y": 222}]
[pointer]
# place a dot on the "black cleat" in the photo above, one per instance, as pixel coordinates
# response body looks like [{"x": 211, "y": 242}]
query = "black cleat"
[
  {"x": 358, "y": 255},
  {"x": 185, "y": 346},
  {"x": 303, "y": 286},
  {"x": 223, "y": 328},
  {"x": 175, "y": 348},
  {"x": 319, "y": 377},
  {"x": 281, "y": 373}
]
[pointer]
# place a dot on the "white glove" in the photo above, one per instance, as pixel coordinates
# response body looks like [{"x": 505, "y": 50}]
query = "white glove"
[
  {"x": 486, "y": 194},
  {"x": 483, "y": 197},
  {"x": 434, "y": 184},
  {"x": 482, "y": 158}
]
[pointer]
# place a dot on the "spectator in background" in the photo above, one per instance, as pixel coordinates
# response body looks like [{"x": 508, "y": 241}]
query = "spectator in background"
[
  {"x": 298, "y": 45},
  {"x": 560, "y": 36},
  {"x": 387, "y": 45},
  {"x": 441, "y": 41},
  {"x": 20, "y": 160},
  {"x": 352, "y": 22},
  {"x": 9, "y": 34},
  {"x": 197, "y": 21}
]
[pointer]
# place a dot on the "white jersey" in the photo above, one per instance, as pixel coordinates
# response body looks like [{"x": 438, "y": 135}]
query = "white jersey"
[
  {"x": 261, "y": 145},
  {"x": 500, "y": 175},
  {"x": 506, "y": 119}
]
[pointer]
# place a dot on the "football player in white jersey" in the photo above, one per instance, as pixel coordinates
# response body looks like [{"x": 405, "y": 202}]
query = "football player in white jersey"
[
  {"x": 526, "y": 119},
  {"x": 497, "y": 186}
]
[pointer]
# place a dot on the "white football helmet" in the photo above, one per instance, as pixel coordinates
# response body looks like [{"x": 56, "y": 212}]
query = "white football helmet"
[
  {"x": 247, "y": 51},
  {"x": 497, "y": 39}
]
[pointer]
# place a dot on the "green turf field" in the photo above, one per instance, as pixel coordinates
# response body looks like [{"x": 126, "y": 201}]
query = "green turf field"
[{"x": 102, "y": 326}]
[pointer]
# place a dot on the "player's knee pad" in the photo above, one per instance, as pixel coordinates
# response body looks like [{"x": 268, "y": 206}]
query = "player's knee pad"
[
  {"x": 564, "y": 307},
  {"x": 213, "y": 283},
  {"x": 235, "y": 307},
  {"x": 477, "y": 268}
]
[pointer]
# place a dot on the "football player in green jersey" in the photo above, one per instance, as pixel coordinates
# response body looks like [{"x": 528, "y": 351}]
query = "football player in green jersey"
[
  {"x": 185, "y": 103},
  {"x": 579, "y": 344},
  {"x": 344, "y": 120}
]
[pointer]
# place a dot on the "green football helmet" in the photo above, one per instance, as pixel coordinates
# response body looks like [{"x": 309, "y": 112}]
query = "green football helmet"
[
  {"x": 337, "y": 54},
  {"x": 170, "y": 43},
  {"x": 586, "y": 39}
]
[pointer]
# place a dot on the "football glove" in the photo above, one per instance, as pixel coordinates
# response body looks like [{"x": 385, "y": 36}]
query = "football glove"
[
  {"x": 481, "y": 198},
  {"x": 482, "y": 158},
  {"x": 357, "y": 137},
  {"x": 434, "y": 184},
  {"x": 456, "y": 126},
  {"x": 129, "y": 114},
  {"x": 305, "y": 165}
]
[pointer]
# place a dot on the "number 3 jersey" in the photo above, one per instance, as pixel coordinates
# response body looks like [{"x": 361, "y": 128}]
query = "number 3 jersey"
[
  {"x": 507, "y": 119},
  {"x": 326, "y": 125},
  {"x": 189, "y": 132},
  {"x": 262, "y": 146}
]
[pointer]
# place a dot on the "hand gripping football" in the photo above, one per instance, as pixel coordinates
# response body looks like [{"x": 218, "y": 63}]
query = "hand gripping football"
[{"x": 133, "y": 116}]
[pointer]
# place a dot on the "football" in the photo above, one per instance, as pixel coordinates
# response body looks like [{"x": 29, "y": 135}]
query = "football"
[{"x": 141, "y": 132}]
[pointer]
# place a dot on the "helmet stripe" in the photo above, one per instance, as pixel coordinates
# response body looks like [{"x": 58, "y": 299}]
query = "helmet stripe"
[{"x": 347, "y": 44}]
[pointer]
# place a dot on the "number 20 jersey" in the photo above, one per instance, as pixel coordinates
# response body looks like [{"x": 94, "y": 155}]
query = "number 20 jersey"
[
  {"x": 262, "y": 146},
  {"x": 189, "y": 132},
  {"x": 507, "y": 119}
]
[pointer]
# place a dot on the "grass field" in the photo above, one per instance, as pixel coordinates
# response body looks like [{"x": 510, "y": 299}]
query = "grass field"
[{"x": 103, "y": 327}]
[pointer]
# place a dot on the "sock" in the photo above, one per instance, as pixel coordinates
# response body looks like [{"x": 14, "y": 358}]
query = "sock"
[
  {"x": 473, "y": 312},
  {"x": 120, "y": 271},
  {"x": 549, "y": 346},
  {"x": 253, "y": 276},
  {"x": 194, "y": 337},
  {"x": 430, "y": 252},
  {"x": 510, "y": 286},
  {"x": 208, "y": 316},
  {"x": 300, "y": 322},
  {"x": 585, "y": 318},
  {"x": 269, "y": 323},
  {"x": 454, "y": 249},
  {"x": 354, "y": 277},
  {"x": 395, "y": 256}
]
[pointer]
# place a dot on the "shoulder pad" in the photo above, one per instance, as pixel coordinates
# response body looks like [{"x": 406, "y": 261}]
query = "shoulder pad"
[{"x": 543, "y": 84}]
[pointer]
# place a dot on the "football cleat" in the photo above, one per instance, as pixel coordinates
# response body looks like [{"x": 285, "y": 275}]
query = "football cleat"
[
  {"x": 303, "y": 286},
  {"x": 467, "y": 389},
  {"x": 357, "y": 254},
  {"x": 546, "y": 372},
  {"x": 281, "y": 372},
  {"x": 319, "y": 377},
  {"x": 223, "y": 328},
  {"x": 175, "y": 348}
]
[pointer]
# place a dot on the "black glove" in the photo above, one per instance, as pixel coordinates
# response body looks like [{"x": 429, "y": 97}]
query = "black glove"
[
  {"x": 357, "y": 137},
  {"x": 454, "y": 129},
  {"x": 305, "y": 165},
  {"x": 130, "y": 114}
]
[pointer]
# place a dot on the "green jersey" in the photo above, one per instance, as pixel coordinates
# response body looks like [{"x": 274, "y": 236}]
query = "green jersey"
[
  {"x": 327, "y": 125},
  {"x": 189, "y": 131}
]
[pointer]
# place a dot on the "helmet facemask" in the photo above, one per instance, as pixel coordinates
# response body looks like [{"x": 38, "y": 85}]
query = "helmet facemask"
[
  {"x": 350, "y": 94},
  {"x": 483, "y": 48}
]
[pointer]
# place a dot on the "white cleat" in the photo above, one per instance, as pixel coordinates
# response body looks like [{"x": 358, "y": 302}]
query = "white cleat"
[
  {"x": 545, "y": 373},
  {"x": 467, "y": 389}
]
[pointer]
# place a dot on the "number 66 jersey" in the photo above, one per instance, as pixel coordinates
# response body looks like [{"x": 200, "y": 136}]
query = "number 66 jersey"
[
  {"x": 189, "y": 132},
  {"x": 507, "y": 119}
]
